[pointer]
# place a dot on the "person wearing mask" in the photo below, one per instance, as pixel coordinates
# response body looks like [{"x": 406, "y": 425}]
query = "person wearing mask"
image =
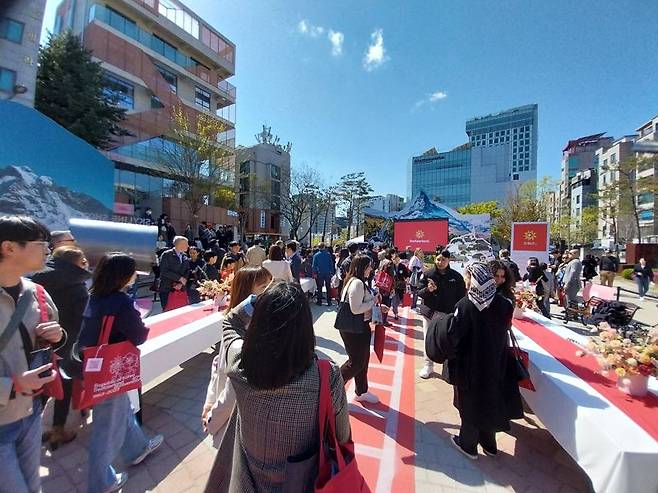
[
  {"x": 276, "y": 264},
  {"x": 276, "y": 370},
  {"x": 256, "y": 254},
  {"x": 400, "y": 276},
  {"x": 359, "y": 300},
  {"x": 510, "y": 264},
  {"x": 64, "y": 280},
  {"x": 416, "y": 267},
  {"x": 236, "y": 254},
  {"x": 608, "y": 267},
  {"x": 504, "y": 279},
  {"x": 220, "y": 397},
  {"x": 147, "y": 218},
  {"x": 643, "y": 274},
  {"x": 589, "y": 267},
  {"x": 23, "y": 249},
  {"x": 174, "y": 269},
  {"x": 571, "y": 281},
  {"x": 323, "y": 270},
  {"x": 441, "y": 288},
  {"x": 294, "y": 259},
  {"x": 210, "y": 267},
  {"x": 479, "y": 331},
  {"x": 114, "y": 428}
]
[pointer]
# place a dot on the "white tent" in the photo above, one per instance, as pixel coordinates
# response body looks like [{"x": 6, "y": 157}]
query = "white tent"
[{"x": 358, "y": 239}]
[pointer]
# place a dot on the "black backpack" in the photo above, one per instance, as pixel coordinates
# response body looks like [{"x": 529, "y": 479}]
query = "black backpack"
[{"x": 438, "y": 346}]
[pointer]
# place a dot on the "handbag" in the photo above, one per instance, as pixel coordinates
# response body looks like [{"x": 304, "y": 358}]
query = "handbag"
[
  {"x": 384, "y": 281},
  {"x": 380, "y": 338},
  {"x": 335, "y": 281},
  {"x": 55, "y": 388},
  {"x": 177, "y": 299},
  {"x": 346, "y": 321},
  {"x": 108, "y": 369},
  {"x": 521, "y": 362},
  {"x": 406, "y": 299},
  {"x": 338, "y": 471}
]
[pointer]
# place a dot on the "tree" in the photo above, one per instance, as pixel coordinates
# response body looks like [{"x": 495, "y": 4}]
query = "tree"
[
  {"x": 73, "y": 90},
  {"x": 585, "y": 231},
  {"x": 191, "y": 153},
  {"x": 490, "y": 207},
  {"x": 630, "y": 188},
  {"x": 353, "y": 190},
  {"x": 303, "y": 202}
]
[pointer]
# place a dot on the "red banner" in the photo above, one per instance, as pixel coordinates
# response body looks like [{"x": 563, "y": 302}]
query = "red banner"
[
  {"x": 530, "y": 237},
  {"x": 420, "y": 234}
]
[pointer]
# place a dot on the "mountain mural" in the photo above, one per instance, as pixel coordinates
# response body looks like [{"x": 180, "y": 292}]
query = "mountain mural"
[
  {"x": 24, "y": 192},
  {"x": 421, "y": 207}
]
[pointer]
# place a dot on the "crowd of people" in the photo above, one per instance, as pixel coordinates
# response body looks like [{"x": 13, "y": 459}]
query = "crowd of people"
[{"x": 266, "y": 357}]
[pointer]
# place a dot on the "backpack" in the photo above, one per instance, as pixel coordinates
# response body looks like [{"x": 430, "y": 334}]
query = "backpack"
[{"x": 438, "y": 346}]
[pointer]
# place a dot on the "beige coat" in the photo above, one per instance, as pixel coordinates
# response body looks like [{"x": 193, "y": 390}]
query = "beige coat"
[{"x": 12, "y": 357}]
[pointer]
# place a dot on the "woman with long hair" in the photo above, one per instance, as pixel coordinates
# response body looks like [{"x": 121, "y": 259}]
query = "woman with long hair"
[
  {"x": 114, "y": 428},
  {"x": 359, "y": 300},
  {"x": 276, "y": 382},
  {"x": 504, "y": 279},
  {"x": 277, "y": 265},
  {"x": 220, "y": 398}
]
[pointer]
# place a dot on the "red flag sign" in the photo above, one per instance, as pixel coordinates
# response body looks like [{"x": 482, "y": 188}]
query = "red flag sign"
[{"x": 531, "y": 237}]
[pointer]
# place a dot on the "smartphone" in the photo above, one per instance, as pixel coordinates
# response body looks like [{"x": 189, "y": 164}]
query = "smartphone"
[{"x": 39, "y": 358}]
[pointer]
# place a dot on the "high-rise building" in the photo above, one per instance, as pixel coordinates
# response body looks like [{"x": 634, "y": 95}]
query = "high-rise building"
[
  {"x": 579, "y": 154},
  {"x": 264, "y": 179},
  {"x": 583, "y": 194},
  {"x": 157, "y": 55},
  {"x": 501, "y": 154},
  {"x": 646, "y": 146},
  {"x": 20, "y": 29}
]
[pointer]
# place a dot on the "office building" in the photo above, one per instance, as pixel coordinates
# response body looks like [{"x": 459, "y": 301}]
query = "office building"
[
  {"x": 579, "y": 154},
  {"x": 264, "y": 180},
  {"x": 388, "y": 203},
  {"x": 20, "y": 30},
  {"x": 157, "y": 55},
  {"x": 583, "y": 194},
  {"x": 500, "y": 155}
]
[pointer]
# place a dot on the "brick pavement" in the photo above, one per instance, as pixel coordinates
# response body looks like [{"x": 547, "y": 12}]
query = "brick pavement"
[{"x": 529, "y": 460}]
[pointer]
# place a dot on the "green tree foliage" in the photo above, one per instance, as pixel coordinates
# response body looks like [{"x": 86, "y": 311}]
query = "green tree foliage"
[
  {"x": 353, "y": 190},
  {"x": 71, "y": 90}
]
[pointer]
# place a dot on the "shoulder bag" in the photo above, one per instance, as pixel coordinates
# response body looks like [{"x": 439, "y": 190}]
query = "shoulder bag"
[
  {"x": 519, "y": 363},
  {"x": 346, "y": 321}
]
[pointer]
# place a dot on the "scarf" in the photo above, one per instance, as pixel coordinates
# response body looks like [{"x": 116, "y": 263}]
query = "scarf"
[{"x": 483, "y": 287}]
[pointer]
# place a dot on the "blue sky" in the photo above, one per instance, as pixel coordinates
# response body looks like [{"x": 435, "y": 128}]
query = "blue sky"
[{"x": 363, "y": 86}]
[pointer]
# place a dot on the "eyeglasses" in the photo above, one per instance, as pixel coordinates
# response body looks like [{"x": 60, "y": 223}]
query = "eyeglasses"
[{"x": 43, "y": 244}]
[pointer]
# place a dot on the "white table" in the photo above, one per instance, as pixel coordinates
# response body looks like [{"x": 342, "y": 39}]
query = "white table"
[
  {"x": 308, "y": 285},
  {"x": 170, "y": 349},
  {"x": 615, "y": 452}
]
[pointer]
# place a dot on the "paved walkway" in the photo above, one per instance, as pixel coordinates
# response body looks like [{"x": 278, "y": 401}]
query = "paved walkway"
[{"x": 402, "y": 443}]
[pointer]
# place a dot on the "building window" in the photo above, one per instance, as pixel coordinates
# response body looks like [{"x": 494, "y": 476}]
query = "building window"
[
  {"x": 577, "y": 199},
  {"x": 515, "y": 177},
  {"x": 646, "y": 215},
  {"x": 121, "y": 23},
  {"x": 11, "y": 30},
  {"x": 170, "y": 77},
  {"x": 276, "y": 172},
  {"x": 613, "y": 158},
  {"x": 7, "y": 80},
  {"x": 245, "y": 168},
  {"x": 202, "y": 98},
  {"x": 165, "y": 49},
  {"x": 121, "y": 93}
]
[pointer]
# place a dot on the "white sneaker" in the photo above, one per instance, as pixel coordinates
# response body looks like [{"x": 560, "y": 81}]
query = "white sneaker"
[
  {"x": 641, "y": 298},
  {"x": 426, "y": 372},
  {"x": 119, "y": 482},
  {"x": 367, "y": 397},
  {"x": 153, "y": 445}
]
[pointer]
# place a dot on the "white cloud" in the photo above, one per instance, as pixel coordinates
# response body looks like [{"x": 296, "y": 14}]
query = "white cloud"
[
  {"x": 435, "y": 97},
  {"x": 336, "y": 39},
  {"x": 305, "y": 27},
  {"x": 375, "y": 55}
]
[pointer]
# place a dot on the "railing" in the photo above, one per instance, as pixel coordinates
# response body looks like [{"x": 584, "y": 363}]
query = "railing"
[{"x": 227, "y": 88}]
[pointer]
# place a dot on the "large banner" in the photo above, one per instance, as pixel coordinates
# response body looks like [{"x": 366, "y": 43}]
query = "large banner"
[
  {"x": 529, "y": 240},
  {"x": 420, "y": 234}
]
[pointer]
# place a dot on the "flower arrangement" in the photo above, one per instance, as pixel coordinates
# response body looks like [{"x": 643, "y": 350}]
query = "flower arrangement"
[
  {"x": 212, "y": 289},
  {"x": 525, "y": 299},
  {"x": 626, "y": 356}
]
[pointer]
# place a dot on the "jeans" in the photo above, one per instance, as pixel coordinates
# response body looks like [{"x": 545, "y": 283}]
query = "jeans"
[
  {"x": 414, "y": 298},
  {"x": 20, "y": 453},
  {"x": 357, "y": 347},
  {"x": 114, "y": 430},
  {"x": 642, "y": 285},
  {"x": 396, "y": 301},
  {"x": 470, "y": 436},
  {"x": 323, "y": 280}
]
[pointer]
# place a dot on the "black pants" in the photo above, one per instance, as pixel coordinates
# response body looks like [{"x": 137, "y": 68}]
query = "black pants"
[
  {"x": 61, "y": 407},
  {"x": 470, "y": 436},
  {"x": 320, "y": 281},
  {"x": 164, "y": 297},
  {"x": 358, "y": 353}
]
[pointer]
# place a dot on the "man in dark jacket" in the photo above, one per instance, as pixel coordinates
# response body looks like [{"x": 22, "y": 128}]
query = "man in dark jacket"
[
  {"x": 510, "y": 264},
  {"x": 323, "y": 269},
  {"x": 440, "y": 288},
  {"x": 174, "y": 269},
  {"x": 608, "y": 267},
  {"x": 64, "y": 279},
  {"x": 294, "y": 258}
]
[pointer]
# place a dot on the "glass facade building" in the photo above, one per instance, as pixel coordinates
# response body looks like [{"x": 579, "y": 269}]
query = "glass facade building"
[{"x": 443, "y": 176}]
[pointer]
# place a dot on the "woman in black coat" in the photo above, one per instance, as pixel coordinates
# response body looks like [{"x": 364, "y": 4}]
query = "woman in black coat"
[
  {"x": 479, "y": 371},
  {"x": 64, "y": 279}
]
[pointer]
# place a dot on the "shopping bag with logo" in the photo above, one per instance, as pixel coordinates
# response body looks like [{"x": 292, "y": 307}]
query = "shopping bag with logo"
[
  {"x": 177, "y": 299},
  {"x": 108, "y": 369},
  {"x": 384, "y": 281},
  {"x": 51, "y": 389},
  {"x": 338, "y": 471}
]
